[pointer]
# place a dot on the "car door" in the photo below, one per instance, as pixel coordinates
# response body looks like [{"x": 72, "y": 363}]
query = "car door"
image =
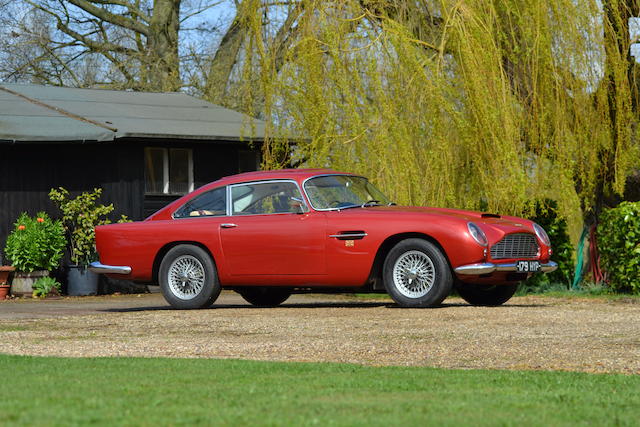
[{"x": 271, "y": 232}]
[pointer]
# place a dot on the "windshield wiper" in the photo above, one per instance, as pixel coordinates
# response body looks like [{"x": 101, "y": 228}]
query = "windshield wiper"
[
  {"x": 364, "y": 205},
  {"x": 348, "y": 207}
]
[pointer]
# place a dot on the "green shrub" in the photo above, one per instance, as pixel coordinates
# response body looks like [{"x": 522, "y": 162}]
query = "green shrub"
[
  {"x": 546, "y": 215},
  {"x": 45, "y": 286},
  {"x": 35, "y": 243},
  {"x": 619, "y": 244},
  {"x": 80, "y": 216}
]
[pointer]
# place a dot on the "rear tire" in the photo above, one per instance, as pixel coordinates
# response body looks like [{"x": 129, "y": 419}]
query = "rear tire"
[
  {"x": 264, "y": 297},
  {"x": 486, "y": 295},
  {"x": 417, "y": 274},
  {"x": 188, "y": 278}
]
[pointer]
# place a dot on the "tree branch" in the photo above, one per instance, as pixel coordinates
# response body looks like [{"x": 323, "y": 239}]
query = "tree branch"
[
  {"x": 133, "y": 10},
  {"x": 92, "y": 44},
  {"x": 105, "y": 15}
]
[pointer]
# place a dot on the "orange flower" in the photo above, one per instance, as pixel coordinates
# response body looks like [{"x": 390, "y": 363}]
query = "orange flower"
[
  {"x": 40, "y": 219},
  {"x": 21, "y": 227}
]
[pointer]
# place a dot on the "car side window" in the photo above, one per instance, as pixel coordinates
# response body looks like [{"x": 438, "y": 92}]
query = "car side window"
[
  {"x": 265, "y": 198},
  {"x": 211, "y": 203}
]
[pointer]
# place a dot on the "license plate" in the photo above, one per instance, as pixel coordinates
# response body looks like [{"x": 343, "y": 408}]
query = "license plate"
[{"x": 527, "y": 266}]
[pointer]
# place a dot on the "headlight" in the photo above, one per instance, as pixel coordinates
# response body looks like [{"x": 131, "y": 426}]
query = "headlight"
[
  {"x": 542, "y": 235},
  {"x": 477, "y": 234}
]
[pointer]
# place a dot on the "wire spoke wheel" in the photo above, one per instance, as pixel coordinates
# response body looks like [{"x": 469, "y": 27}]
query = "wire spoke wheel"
[
  {"x": 186, "y": 277},
  {"x": 414, "y": 274}
]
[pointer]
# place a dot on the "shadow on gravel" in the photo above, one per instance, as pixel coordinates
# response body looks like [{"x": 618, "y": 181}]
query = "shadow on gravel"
[
  {"x": 132, "y": 309},
  {"x": 340, "y": 304},
  {"x": 336, "y": 304}
]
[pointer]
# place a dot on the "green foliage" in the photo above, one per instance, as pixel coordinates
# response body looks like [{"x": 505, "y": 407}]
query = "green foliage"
[
  {"x": 546, "y": 214},
  {"x": 619, "y": 244},
  {"x": 80, "y": 216},
  {"x": 35, "y": 243},
  {"x": 45, "y": 286},
  {"x": 150, "y": 391}
]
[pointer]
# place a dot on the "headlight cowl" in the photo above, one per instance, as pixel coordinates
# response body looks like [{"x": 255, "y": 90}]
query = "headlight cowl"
[
  {"x": 477, "y": 234},
  {"x": 542, "y": 235}
]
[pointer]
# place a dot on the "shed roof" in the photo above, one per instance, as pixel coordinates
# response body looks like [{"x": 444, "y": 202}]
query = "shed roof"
[{"x": 47, "y": 113}]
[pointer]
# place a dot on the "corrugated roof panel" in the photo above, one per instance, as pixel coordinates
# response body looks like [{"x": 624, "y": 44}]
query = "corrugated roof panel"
[
  {"x": 21, "y": 120},
  {"x": 144, "y": 114}
]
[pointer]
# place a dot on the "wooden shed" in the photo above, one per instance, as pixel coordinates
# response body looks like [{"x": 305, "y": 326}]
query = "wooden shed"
[{"x": 143, "y": 149}]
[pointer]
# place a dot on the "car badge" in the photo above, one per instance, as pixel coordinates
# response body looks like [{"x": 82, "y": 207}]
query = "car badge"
[{"x": 349, "y": 243}]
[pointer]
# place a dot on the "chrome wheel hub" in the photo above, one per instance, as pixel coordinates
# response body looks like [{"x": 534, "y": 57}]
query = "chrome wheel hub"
[
  {"x": 186, "y": 277},
  {"x": 413, "y": 274}
]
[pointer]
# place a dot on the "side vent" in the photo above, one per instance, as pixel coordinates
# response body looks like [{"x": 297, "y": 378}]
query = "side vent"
[{"x": 349, "y": 235}]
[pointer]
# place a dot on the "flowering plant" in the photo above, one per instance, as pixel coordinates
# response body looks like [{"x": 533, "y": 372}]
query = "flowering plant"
[{"x": 35, "y": 243}]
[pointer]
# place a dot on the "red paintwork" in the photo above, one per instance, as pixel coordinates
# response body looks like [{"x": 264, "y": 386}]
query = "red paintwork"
[{"x": 295, "y": 249}]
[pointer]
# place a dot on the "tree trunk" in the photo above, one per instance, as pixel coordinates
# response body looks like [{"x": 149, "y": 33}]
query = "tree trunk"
[
  {"x": 224, "y": 60},
  {"x": 162, "y": 47}
]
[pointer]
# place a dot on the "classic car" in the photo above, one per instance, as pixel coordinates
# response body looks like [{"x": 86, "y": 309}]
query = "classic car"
[{"x": 269, "y": 234}]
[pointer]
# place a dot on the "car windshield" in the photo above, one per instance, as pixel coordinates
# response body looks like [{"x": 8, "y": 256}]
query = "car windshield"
[{"x": 343, "y": 191}]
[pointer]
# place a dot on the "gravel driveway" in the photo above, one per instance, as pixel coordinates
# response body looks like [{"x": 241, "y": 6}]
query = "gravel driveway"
[{"x": 527, "y": 333}]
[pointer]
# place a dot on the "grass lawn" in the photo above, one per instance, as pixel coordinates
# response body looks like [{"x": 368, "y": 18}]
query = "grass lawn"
[{"x": 130, "y": 391}]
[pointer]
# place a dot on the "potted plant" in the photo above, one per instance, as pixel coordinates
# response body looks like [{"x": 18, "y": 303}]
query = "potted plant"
[
  {"x": 5, "y": 286},
  {"x": 80, "y": 216},
  {"x": 34, "y": 247}
]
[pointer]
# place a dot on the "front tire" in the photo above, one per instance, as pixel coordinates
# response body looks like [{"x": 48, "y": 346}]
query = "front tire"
[
  {"x": 417, "y": 274},
  {"x": 264, "y": 297},
  {"x": 484, "y": 295},
  {"x": 188, "y": 278}
]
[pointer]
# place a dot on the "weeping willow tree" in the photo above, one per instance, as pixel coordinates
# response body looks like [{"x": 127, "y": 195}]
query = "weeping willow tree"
[{"x": 469, "y": 103}]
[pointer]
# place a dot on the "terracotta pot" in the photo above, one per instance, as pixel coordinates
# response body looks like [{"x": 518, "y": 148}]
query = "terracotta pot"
[
  {"x": 5, "y": 271},
  {"x": 22, "y": 284},
  {"x": 4, "y": 291}
]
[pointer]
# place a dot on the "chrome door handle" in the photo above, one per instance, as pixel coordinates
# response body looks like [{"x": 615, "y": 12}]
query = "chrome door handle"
[{"x": 228, "y": 225}]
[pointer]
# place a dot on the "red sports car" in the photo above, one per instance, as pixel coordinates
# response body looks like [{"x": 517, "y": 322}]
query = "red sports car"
[{"x": 269, "y": 234}]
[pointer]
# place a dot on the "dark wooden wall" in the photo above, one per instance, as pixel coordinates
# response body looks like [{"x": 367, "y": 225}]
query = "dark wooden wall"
[{"x": 28, "y": 171}]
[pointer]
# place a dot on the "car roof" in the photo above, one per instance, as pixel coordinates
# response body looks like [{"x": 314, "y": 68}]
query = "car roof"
[
  {"x": 295, "y": 174},
  {"x": 298, "y": 175}
]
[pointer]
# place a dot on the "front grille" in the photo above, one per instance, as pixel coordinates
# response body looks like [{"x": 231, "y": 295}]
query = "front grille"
[{"x": 520, "y": 245}]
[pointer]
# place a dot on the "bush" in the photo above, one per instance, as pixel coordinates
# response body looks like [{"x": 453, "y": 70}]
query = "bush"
[
  {"x": 80, "y": 216},
  {"x": 619, "y": 244},
  {"x": 35, "y": 243},
  {"x": 546, "y": 215}
]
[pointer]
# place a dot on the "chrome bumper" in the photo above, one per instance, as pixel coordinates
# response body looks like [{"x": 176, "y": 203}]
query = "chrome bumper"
[
  {"x": 487, "y": 267},
  {"x": 96, "y": 267}
]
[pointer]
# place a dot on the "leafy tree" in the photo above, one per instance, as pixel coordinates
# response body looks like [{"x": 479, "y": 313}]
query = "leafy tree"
[
  {"x": 442, "y": 102},
  {"x": 454, "y": 103}
]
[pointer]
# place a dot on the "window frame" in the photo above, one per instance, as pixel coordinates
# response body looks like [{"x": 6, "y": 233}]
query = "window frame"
[
  {"x": 226, "y": 206},
  {"x": 305, "y": 205},
  {"x": 165, "y": 171}
]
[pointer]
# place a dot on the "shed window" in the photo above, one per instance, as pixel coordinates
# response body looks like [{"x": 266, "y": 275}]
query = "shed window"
[{"x": 168, "y": 170}]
